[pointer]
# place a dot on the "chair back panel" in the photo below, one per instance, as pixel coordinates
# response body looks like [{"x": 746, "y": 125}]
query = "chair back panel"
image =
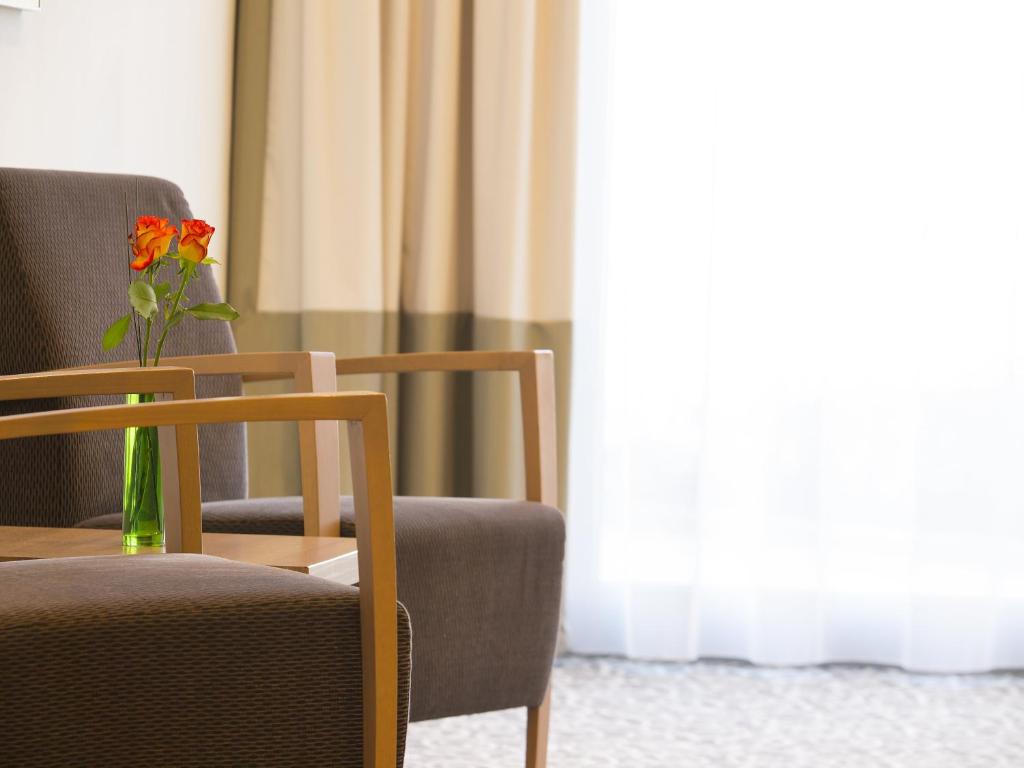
[{"x": 63, "y": 278}]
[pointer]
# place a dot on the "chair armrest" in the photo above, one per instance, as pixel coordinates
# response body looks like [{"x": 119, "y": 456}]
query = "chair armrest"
[
  {"x": 251, "y": 366},
  {"x": 319, "y": 450},
  {"x": 419, "y": 362},
  {"x": 366, "y": 413},
  {"x": 536, "y": 369},
  {"x": 180, "y": 383}
]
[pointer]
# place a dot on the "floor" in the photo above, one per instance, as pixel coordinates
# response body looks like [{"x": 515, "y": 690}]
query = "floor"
[{"x": 728, "y": 715}]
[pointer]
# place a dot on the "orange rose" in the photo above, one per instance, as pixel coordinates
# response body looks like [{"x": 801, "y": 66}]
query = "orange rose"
[
  {"x": 195, "y": 237},
  {"x": 152, "y": 239}
]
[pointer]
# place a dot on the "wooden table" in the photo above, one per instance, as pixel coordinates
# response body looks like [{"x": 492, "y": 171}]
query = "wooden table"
[{"x": 328, "y": 557}]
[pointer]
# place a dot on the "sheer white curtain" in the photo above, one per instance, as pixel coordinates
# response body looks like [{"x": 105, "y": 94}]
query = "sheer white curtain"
[{"x": 798, "y": 402}]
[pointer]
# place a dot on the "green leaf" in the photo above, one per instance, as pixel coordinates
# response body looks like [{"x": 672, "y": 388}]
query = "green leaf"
[
  {"x": 143, "y": 298},
  {"x": 162, "y": 290},
  {"x": 222, "y": 311},
  {"x": 114, "y": 335},
  {"x": 209, "y": 260}
]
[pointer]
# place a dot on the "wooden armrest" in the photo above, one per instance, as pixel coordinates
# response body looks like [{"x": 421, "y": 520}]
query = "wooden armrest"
[
  {"x": 180, "y": 383},
  {"x": 319, "y": 449},
  {"x": 366, "y": 413},
  {"x": 251, "y": 366},
  {"x": 536, "y": 369},
  {"x": 420, "y": 362}
]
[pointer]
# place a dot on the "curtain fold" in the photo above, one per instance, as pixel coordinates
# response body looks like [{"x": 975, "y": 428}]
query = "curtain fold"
[{"x": 402, "y": 180}]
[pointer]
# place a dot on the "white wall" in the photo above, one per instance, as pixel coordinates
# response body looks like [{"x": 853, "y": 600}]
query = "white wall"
[{"x": 124, "y": 86}]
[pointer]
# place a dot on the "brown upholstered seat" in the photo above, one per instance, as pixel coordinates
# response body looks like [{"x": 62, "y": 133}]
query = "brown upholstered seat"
[
  {"x": 481, "y": 579},
  {"x": 181, "y": 660}
]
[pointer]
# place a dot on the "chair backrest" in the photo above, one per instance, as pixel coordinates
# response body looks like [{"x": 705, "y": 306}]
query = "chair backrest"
[{"x": 63, "y": 278}]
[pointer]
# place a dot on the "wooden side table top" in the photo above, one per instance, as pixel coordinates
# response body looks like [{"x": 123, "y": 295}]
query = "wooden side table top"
[{"x": 328, "y": 557}]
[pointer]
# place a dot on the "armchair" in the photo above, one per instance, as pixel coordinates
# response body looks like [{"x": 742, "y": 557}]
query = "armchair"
[
  {"x": 208, "y": 603},
  {"x": 535, "y": 371}
]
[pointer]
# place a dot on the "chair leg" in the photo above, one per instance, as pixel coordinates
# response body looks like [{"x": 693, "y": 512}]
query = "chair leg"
[{"x": 537, "y": 733}]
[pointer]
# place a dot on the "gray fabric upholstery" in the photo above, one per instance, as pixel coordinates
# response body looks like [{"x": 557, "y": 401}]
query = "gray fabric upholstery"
[
  {"x": 63, "y": 278},
  {"x": 481, "y": 579},
  {"x": 180, "y": 660}
]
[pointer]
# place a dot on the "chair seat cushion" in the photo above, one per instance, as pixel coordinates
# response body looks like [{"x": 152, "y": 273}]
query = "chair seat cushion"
[
  {"x": 481, "y": 579},
  {"x": 201, "y": 654}
]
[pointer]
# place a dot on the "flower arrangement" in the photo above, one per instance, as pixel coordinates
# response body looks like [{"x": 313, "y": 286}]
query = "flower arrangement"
[
  {"x": 159, "y": 303},
  {"x": 161, "y": 306}
]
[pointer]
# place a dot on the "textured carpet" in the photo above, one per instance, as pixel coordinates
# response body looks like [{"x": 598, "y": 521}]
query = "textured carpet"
[{"x": 729, "y": 715}]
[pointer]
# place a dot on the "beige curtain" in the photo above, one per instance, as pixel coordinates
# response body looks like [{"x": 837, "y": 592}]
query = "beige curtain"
[{"x": 402, "y": 180}]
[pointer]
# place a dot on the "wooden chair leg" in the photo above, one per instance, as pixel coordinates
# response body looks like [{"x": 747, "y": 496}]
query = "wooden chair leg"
[{"x": 537, "y": 733}]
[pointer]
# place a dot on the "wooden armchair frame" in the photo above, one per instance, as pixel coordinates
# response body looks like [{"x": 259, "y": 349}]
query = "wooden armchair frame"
[
  {"x": 179, "y": 383},
  {"x": 319, "y": 444},
  {"x": 176, "y": 381},
  {"x": 536, "y": 370},
  {"x": 366, "y": 414}
]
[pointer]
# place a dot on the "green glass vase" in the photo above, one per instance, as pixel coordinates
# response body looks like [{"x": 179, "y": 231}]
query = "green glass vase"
[{"x": 142, "y": 513}]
